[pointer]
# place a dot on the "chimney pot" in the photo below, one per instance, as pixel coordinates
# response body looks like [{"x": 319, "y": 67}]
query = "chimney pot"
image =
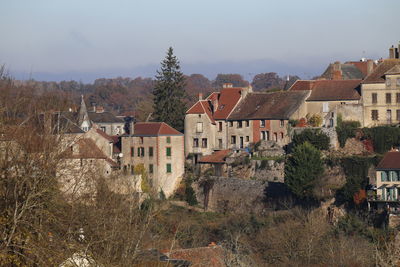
[
  {"x": 227, "y": 85},
  {"x": 200, "y": 96}
]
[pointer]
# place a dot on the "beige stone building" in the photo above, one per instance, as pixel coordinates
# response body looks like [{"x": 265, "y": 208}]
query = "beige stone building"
[
  {"x": 381, "y": 94},
  {"x": 388, "y": 177},
  {"x": 160, "y": 149}
]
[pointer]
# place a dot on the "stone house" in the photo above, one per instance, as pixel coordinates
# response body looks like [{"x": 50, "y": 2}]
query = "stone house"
[
  {"x": 206, "y": 122},
  {"x": 381, "y": 94},
  {"x": 331, "y": 97},
  {"x": 388, "y": 177},
  {"x": 160, "y": 149},
  {"x": 265, "y": 116}
]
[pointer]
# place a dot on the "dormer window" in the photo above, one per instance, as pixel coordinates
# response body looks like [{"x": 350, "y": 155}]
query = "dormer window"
[{"x": 388, "y": 82}]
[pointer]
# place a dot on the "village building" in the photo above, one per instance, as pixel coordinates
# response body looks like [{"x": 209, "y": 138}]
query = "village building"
[
  {"x": 388, "y": 177},
  {"x": 206, "y": 122},
  {"x": 265, "y": 116},
  {"x": 328, "y": 98},
  {"x": 381, "y": 94},
  {"x": 159, "y": 148}
]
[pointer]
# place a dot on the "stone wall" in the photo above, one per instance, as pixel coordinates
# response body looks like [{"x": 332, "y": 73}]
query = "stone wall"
[{"x": 268, "y": 170}]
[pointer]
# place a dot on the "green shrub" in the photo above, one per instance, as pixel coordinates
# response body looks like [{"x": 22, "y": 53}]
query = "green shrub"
[
  {"x": 315, "y": 120},
  {"x": 190, "y": 195},
  {"x": 314, "y": 136},
  {"x": 383, "y": 137},
  {"x": 345, "y": 130}
]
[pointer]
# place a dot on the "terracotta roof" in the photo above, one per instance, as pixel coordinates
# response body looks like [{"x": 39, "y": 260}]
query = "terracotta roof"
[
  {"x": 228, "y": 98},
  {"x": 203, "y": 256},
  {"x": 391, "y": 160},
  {"x": 154, "y": 129},
  {"x": 362, "y": 66},
  {"x": 329, "y": 90},
  {"x": 274, "y": 106},
  {"x": 377, "y": 76},
  {"x": 216, "y": 157},
  {"x": 213, "y": 96},
  {"x": 394, "y": 70},
  {"x": 202, "y": 107},
  {"x": 104, "y": 117}
]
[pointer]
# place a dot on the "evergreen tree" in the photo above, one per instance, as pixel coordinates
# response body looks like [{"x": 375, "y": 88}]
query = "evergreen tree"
[
  {"x": 302, "y": 170},
  {"x": 169, "y": 93}
]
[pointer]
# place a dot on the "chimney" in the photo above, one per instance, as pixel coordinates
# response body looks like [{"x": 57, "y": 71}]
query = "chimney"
[
  {"x": 245, "y": 91},
  {"x": 215, "y": 105},
  {"x": 200, "y": 96},
  {"x": 370, "y": 66},
  {"x": 227, "y": 85},
  {"x": 337, "y": 71},
  {"x": 392, "y": 52}
]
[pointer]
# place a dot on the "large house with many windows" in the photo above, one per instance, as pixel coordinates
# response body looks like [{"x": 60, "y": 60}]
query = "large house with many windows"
[{"x": 158, "y": 148}]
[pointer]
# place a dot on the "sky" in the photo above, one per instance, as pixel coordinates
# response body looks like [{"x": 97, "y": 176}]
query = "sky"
[{"x": 89, "y": 39}]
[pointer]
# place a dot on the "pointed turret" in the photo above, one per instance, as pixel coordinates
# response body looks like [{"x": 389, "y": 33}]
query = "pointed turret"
[{"x": 83, "y": 119}]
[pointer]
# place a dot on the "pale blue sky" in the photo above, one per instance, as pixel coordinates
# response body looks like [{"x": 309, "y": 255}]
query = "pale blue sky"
[{"x": 81, "y": 38}]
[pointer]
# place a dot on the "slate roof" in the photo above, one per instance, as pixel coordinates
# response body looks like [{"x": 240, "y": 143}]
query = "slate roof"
[
  {"x": 273, "y": 106},
  {"x": 216, "y": 157},
  {"x": 329, "y": 90},
  {"x": 349, "y": 72},
  {"x": 104, "y": 117},
  {"x": 362, "y": 66},
  {"x": 154, "y": 129},
  {"x": 391, "y": 161},
  {"x": 377, "y": 76}
]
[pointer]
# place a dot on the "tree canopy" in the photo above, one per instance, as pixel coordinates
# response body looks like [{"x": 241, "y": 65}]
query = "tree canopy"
[{"x": 169, "y": 93}]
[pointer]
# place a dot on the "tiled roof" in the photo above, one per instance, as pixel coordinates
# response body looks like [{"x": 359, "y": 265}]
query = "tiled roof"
[
  {"x": 349, "y": 72},
  {"x": 216, "y": 157},
  {"x": 394, "y": 70},
  {"x": 86, "y": 149},
  {"x": 104, "y": 117},
  {"x": 202, "y": 107},
  {"x": 362, "y": 66},
  {"x": 391, "y": 160},
  {"x": 377, "y": 76},
  {"x": 154, "y": 129},
  {"x": 329, "y": 90},
  {"x": 274, "y": 106},
  {"x": 103, "y": 134},
  {"x": 228, "y": 98},
  {"x": 212, "y": 256}
]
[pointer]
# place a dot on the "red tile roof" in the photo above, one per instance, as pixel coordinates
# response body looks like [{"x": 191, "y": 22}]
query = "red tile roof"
[
  {"x": 153, "y": 129},
  {"x": 228, "y": 98},
  {"x": 213, "y": 256},
  {"x": 391, "y": 160},
  {"x": 202, "y": 107},
  {"x": 329, "y": 90},
  {"x": 216, "y": 157},
  {"x": 377, "y": 76}
]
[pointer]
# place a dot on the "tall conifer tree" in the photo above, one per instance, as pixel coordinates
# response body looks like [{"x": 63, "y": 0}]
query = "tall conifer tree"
[{"x": 169, "y": 93}]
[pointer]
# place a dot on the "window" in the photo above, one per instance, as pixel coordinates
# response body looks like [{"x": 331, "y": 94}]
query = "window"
[
  {"x": 384, "y": 176},
  {"x": 389, "y": 115},
  {"x": 263, "y": 136},
  {"x": 398, "y": 98},
  {"x": 199, "y": 127},
  {"x": 195, "y": 142},
  {"x": 141, "y": 140},
  {"x": 103, "y": 128},
  {"x": 247, "y": 138},
  {"x": 151, "y": 170},
  {"x": 374, "y": 98},
  {"x": 168, "y": 140},
  {"x": 267, "y": 133},
  {"x": 168, "y": 152},
  {"x": 220, "y": 143},
  {"x": 220, "y": 126},
  {"x": 325, "y": 107},
  {"x": 276, "y": 137},
  {"x": 231, "y": 124},
  {"x": 282, "y": 123},
  {"x": 132, "y": 151},
  {"x": 140, "y": 152},
  {"x": 281, "y": 135},
  {"x": 150, "y": 151},
  {"x": 262, "y": 123},
  {"x": 388, "y": 82},
  {"x": 388, "y": 98},
  {"x": 247, "y": 123},
  {"x": 394, "y": 177},
  {"x": 169, "y": 168},
  {"x": 233, "y": 139},
  {"x": 239, "y": 124},
  {"x": 374, "y": 115},
  {"x": 204, "y": 143},
  {"x": 398, "y": 114},
  {"x": 398, "y": 81}
]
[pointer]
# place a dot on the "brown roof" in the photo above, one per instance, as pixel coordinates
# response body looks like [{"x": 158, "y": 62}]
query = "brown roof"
[
  {"x": 216, "y": 157},
  {"x": 154, "y": 129},
  {"x": 106, "y": 136},
  {"x": 212, "y": 256},
  {"x": 104, "y": 117},
  {"x": 329, "y": 90},
  {"x": 394, "y": 70},
  {"x": 362, "y": 66},
  {"x": 274, "y": 106},
  {"x": 377, "y": 76},
  {"x": 228, "y": 98},
  {"x": 391, "y": 160}
]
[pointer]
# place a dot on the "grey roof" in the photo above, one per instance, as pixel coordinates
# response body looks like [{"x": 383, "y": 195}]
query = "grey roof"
[
  {"x": 349, "y": 72},
  {"x": 104, "y": 117}
]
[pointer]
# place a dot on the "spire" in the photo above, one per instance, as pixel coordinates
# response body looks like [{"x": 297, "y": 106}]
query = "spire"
[{"x": 83, "y": 114}]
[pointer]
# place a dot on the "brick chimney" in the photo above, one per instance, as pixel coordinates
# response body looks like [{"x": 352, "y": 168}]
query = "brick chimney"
[
  {"x": 337, "y": 71},
  {"x": 370, "y": 66},
  {"x": 392, "y": 52}
]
